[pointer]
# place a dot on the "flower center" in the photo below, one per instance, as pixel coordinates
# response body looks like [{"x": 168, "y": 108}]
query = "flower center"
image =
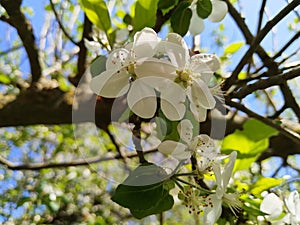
[
  {"x": 183, "y": 75},
  {"x": 130, "y": 69}
]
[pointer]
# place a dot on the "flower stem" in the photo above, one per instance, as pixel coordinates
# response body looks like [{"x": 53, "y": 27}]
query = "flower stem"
[{"x": 137, "y": 139}]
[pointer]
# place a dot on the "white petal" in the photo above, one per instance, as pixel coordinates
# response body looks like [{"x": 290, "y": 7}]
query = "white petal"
[
  {"x": 185, "y": 130},
  {"x": 271, "y": 205},
  {"x": 197, "y": 24},
  {"x": 293, "y": 203},
  {"x": 145, "y": 43},
  {"x": 212, "y": 214},
  {"x": 198, "y": 112},
  {"x": 110, "y": 84},
  {"x": 219, "y": 10},
  {"x": 142, "y": 99},
  {"x": 176, "y": 149},
  {"x": 201, "y": 95},
  {"x": 226, "y": 175},
  {"x": 118, "y": 59},
  {"x": 211, "y": 60},
  {"x": 177, "y": 39},
  {"x": 157, "y": 68},
  {"x": 177, "y": 54},
  {"x": 172, "y": 98},
  {"x": 145, "y": 35},
  {"x": 206, "y": 144}
]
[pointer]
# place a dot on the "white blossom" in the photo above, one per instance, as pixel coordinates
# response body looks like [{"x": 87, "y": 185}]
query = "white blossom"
[
  {"x": 201, "y": 144},
  {"x": 215, "y": 201},
  {"x": 135, "y": 71}
]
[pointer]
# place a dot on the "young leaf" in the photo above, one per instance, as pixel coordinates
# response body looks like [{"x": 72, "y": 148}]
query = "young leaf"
[
  {"x": 204, "y": 8},
  {"x": 97, "y": 12},
  {"x": 233, "y": 47},
  {"x": 249, "y": 142},
  {"x": 180, "y": 20},
  {"x": 145, "y": 14}
]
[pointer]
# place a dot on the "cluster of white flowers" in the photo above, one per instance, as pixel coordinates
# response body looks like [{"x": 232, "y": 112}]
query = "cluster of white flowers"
[
  {"x": 150, "y": 68},
  {"x": 280, "y": 212}
]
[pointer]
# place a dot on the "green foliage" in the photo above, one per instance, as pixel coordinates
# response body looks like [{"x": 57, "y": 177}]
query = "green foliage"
[
  {"x": 97, "y": 12},
  {"x": 144, "y": 192},
  {"x": 165, "y": 4},
  {"x": 180, "y": 19},
  {"x": 204, "y": 8},
  {"x": 249, "y": 142},
  {"x": 144, "y": 14}
]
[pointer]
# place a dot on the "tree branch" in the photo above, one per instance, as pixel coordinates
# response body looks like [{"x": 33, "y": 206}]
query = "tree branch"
[
  {"x": 24, "y": 28},
  {"x": 255, "y": 43},
  {"x": 60, "y": 24},
  {"x": 266, "y": 83},
  {"x": 79, "y": 162}
]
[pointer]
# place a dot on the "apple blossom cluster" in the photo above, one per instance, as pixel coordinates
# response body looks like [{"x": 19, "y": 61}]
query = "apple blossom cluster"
[{"x": 163, "y": 76}]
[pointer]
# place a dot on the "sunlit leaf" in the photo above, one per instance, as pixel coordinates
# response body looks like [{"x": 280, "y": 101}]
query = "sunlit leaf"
[
  {"x": 263, "y": 184},
  {"x": 233, "y": 47},
  {"x": 249, "y": 142},
  {"x": 97, "y": 12},
  {"x": 144, "y": 14}
]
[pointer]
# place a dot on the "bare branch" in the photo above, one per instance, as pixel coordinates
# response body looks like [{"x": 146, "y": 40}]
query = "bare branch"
[
  {"x": 255, "y": 43},
  {"x": 61, "y": 25},
  {"x": 24, "y": 28},
  {"x": 266, "y": 83},
  {"x": 78, "y": 162}
]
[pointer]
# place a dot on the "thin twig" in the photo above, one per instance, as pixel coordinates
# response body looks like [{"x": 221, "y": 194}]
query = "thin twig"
[
  {"x": 61, "y": 25},
  {"x": 255, "y": 43}
]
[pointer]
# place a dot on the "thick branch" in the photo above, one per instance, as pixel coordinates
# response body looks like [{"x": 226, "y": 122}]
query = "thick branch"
[
  {"x": 24, "y": 28},
  {"x": 81, "y": 62}
]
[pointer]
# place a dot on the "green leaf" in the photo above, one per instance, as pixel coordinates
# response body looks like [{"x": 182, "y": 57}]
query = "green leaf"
[
  {"x": 204, "y": 8},
  {"x": 233, "y": 47},
  {"x": 249, "y": 142},
  {"x": 98, "y": 65},
  {"x": 180, "y": 19},
  {"x": 263, "y": 184},
  {"x": 165, "y": 203},
  {"x": 165, "y": 4},
  {"x": 144, "y": 14},
  {"x": 97, "y": 12},
  {"x": 145, "y": 191},
  {"x": 4, "y": 79}
]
